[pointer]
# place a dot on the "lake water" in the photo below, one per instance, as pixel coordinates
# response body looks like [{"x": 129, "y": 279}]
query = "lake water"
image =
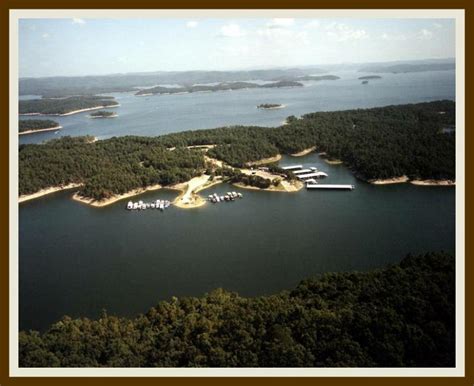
[
  {"x": 161, "y": 114},
  {"x": 78, "y": 260}
]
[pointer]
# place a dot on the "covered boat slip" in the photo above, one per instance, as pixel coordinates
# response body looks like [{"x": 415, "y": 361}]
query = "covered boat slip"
[{"x": 309, "y": 176}]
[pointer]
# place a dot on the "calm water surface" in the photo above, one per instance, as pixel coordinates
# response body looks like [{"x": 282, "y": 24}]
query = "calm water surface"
[{"x": 78, "y": 260}]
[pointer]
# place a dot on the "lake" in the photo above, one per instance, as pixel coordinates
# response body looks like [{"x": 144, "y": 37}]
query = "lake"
[{"x": 78, "y": 260}]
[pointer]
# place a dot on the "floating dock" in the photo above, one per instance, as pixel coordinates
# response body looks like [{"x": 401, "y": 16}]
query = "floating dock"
[
  {"x": 296, "y": 172},
  {"x": 330, "y": 186},
  {"x": 312, "y": 175},
  {"x": 292, "y": 167}
]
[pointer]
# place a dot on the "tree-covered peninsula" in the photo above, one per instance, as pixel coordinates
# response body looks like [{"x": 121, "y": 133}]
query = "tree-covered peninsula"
[
  {"x": 32, "y": 125},
  {"x": 65, "y": 106},
  {"x": 399, "y": 316},
  {"x": 376, "y": 143},
  {"x": 219, "y": 87}
]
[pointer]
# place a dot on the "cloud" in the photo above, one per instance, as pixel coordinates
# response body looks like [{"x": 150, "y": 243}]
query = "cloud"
[
  {"x": 45, "y": 35},
  {"x": 342, "y": 32},
  {"x": 425, "y": 34},
  {"x": 313, "y": 24},
  {"x": 232, "y": 31},
  {"x": 281, "y": 22},
  {"x": 393, "y": 37},
  {"x": 192, "y": 24},
  {"x": 77, "y": 20}
]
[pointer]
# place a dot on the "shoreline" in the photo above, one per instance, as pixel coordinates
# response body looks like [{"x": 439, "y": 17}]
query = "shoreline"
[
  {"x": 40, "y": 130},
  {"x": 304, "y": 152},
  {"x": 189, "y": 197},
  {"x": 333, "y": 162},
  {"x": 289, "y": 188},
  {"x": 264, "y": 161},
  {"x": 388, "y": 181},
  {"x": 405, "y": 179},
  {"x": 46, "y": 191},
  {"x": 433, "y": 182},
  {"x": 115, "y": 198},
  {"x": 71, "y": 112}
]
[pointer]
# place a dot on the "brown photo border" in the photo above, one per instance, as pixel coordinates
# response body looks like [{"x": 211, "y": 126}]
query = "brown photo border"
[{"x": 7, "y": 5}]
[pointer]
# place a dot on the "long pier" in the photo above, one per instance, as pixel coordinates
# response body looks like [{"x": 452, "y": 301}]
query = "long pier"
[
  {"x": 292, "y": 167},
  {"x": 302, "y": 171},
  {"x": 330, "y": 186},
  {"x": 311, "y": 175}
]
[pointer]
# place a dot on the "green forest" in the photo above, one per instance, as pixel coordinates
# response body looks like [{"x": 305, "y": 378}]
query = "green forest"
[
  {"x": 381, "y": 142},
  {"x": 58, "y": 106},
  {"x": 219, "y": 87},
  {"x": 399, "y": 316},
  {"x": 102, "y": 114},
  {"x": 36, "y": 124}
]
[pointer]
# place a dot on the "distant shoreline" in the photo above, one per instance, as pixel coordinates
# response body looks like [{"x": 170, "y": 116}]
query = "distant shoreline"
[
  {"x": 70, "y": 112},
  {"x": 40, "y": 130}
]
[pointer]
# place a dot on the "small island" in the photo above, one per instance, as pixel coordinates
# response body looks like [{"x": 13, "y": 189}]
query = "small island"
[
  {"x": 30, "y": 126},
  {"x": 270, "y": 106},
  {"x": 365, "y": 82},
  {"x": 103, "y": 114},
  {"x": 369, "y": 77}
]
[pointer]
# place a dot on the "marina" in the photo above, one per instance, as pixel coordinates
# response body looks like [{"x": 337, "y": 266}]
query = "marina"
[
  {"x": 140, "y": 205},
  {"x": 230, "y": 196}
]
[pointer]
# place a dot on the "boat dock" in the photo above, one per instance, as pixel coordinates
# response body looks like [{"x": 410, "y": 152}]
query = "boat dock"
[
  {"x": 311, "y": 175},
  {"x": 230, "y": 196},
  {"x": 140, "y": 205},
  {"x": 296, "y": 172},
  {"x": 330, "y": 186},
  {"x": 292, "y": 167}
]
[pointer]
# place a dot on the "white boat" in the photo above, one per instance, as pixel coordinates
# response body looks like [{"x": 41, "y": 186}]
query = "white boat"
[
  {"x": 130, "y": 205},
  {"x": 162, "y": 205},
  {"x": 152, "y": 205}
]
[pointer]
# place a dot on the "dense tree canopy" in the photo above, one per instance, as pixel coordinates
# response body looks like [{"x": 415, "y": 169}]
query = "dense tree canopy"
[
  {"x": 36, "y": 124},
  {"x": 401, "y": 316},
  {"x": 380, "y": 142},
  {"x": 102, "y": 114},
  {"x": 58, "y": 106},
  {"x": 114, "y": 166},
  {"x": 218, "y": 87}
]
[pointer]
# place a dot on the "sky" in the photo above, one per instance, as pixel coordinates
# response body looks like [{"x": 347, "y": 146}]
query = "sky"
[{"x": 75, "y": 47}]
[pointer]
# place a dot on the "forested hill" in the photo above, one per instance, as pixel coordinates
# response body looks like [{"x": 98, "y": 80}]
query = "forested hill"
[
  {"x": 381, "y": 142},
  {"x": 218, "y": 87},
  {"x": 36, "y": 124},
  {"x": 401, "y": 316},
  {"x": 59, "y": 106}
]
